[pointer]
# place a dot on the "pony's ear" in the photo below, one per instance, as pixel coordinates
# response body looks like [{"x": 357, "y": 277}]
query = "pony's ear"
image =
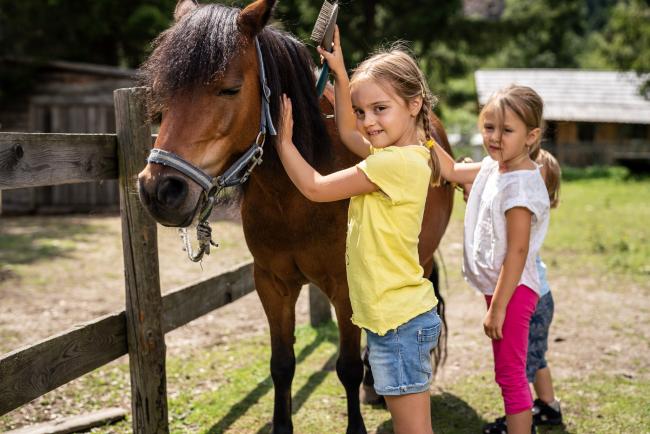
[
  {"x": 183, "y": 7},
  {"x": 254, "y": 17}
]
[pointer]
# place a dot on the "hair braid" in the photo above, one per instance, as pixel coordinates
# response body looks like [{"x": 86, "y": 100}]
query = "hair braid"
[{"x": 434, "y": 163}]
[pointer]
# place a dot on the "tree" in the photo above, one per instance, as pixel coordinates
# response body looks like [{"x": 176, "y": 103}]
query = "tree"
[
  {"x": 544, "y": 34},
  {"x": 111, "y": 32},
  {"x": 627, "y": 39}
]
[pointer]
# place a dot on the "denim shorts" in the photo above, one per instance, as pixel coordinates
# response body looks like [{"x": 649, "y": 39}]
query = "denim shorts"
[
  {"x": 540, "y": 322},
  {"x": 401, "y": 359}
]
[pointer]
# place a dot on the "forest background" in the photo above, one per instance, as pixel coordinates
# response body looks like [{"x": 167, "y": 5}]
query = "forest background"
[{"x": 450, "y": 39}]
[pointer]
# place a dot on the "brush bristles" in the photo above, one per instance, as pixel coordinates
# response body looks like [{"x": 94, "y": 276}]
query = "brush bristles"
[{"x": 321, "y": 23}]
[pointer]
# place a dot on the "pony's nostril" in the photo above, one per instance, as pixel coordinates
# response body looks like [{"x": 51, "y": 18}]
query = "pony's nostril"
[{"x": 171, "y": 192}]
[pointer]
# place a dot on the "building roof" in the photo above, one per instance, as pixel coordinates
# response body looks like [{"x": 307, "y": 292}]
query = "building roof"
[{"x": 575, "y": 94}]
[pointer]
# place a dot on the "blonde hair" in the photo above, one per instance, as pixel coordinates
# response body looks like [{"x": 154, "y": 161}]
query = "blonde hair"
[
  {"x": 398, "y": 69},
  {"x": 525, "y": 103},
  {"x": 552, "y": 175}
]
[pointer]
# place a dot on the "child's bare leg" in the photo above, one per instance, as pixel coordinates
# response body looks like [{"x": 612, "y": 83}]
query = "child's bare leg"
[
  {"x": 544, "y": 385},
  {"x": 411, "y": 413},
  {"x": 519, "y": 423}
]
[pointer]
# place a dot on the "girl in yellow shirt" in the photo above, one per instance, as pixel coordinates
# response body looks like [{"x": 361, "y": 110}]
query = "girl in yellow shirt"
[{"x": 382, "y": 115}]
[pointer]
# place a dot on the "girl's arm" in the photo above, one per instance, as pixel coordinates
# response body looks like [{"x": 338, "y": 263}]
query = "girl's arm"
[
  {"x": 460, "y": 173},
  {"x": 315, "y": 187},
  {"x": 518, "y": 222},
  {"x": 346, "y": 121}
]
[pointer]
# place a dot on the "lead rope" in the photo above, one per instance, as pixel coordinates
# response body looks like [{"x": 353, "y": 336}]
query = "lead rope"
[{"x": 203, "y": 234}]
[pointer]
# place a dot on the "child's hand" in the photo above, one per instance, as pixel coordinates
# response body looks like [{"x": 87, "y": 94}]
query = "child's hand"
[
  {"x": 493, "y": 323},
  {"x": 335, "y": 58},
  {"x": 286, "y": 125}
]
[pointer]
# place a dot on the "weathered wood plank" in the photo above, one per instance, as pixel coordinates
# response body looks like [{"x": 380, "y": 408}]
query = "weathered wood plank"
[
  {"x": 28, "y": 373},
  {"x": 34, "y": 159},
  {"x": 145, "y": 336},
  {"x": 189, "y": 303},
  {"x": 75, "y": 424}
]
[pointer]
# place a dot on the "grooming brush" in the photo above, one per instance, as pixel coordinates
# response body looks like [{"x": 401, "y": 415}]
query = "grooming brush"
[{"x": 323, "y": 35}]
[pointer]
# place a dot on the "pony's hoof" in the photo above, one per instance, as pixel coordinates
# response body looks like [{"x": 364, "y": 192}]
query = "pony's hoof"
[{"x": 368, "y": 396}]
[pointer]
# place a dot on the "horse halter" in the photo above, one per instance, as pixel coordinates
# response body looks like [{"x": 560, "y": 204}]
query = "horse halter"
[{"x": 237, "y": 174}]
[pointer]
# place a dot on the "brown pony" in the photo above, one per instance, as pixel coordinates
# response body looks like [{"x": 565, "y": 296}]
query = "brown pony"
[{"x": 204, "y": 79}]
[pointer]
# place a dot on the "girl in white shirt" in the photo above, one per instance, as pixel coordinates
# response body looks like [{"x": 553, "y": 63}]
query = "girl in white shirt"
[{"x": 505, "y": 224}]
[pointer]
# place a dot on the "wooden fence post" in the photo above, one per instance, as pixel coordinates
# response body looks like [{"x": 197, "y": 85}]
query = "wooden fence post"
[
  {"x": 145, "y": 337},
  {"x": 319, "y": 306}
]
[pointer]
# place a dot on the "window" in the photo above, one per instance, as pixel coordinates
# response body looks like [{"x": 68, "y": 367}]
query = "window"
[{"x": 586, "y": 131}]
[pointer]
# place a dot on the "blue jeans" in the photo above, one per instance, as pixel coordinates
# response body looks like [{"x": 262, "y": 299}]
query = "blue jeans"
[
  {"x": 538, "y": 336},
  {"x": 401, "y": 359}
]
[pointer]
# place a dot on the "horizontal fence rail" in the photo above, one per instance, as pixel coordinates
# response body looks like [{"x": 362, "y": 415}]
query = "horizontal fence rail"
[
  {"x": 34, "y": 160},
  {"x": 27, "y": 373},
  {"x": 45, "y": 159}
]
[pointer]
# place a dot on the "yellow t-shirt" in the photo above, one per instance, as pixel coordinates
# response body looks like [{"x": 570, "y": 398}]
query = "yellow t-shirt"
[{"x": 386, "y": 282}]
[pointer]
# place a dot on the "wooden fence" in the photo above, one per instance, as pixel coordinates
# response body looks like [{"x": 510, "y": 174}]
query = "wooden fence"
[{"x": 30, "y": 160}]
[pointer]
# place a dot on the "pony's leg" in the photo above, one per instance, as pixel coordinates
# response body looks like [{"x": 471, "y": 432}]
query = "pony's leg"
[
  {"x": 279, "y": 302},
  {"x": 367, "y": 393},
  {"x": 349, "y": 366}
]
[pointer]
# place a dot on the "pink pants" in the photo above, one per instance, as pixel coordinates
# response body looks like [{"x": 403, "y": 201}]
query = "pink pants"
[{"x": 510, "y": 351}]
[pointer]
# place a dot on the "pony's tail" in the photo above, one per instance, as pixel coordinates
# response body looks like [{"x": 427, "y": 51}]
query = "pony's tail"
[{"x": 440, "y": 351}]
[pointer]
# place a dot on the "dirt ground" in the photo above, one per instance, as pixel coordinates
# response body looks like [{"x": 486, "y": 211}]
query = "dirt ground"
[{"x": 67, "y": 270}]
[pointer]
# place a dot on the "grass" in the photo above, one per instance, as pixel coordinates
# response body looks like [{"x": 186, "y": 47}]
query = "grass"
[{"x": 602, "y": 222}]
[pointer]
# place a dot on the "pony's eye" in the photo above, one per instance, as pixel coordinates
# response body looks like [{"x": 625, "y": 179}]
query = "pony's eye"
[{"x": 229, "y": 92}]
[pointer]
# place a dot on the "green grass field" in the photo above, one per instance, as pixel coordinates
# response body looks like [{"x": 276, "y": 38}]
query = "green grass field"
[{"x": 598, "y": 241}]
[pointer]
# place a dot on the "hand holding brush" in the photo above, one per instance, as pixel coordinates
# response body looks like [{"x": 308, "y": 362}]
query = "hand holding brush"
[
  {"x": 334, "y": 57},
  {"x": 323, "y": 34}
]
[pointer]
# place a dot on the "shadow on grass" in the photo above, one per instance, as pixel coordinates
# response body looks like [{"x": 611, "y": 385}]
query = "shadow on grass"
[
  {"x": 29, "y": 240},
  {"x": 449, "y": 415},
  {"x": 325, "y": 333}
]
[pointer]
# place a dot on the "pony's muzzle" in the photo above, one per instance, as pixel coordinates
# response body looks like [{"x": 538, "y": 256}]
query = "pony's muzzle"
[{"x": 169, "y": 197}]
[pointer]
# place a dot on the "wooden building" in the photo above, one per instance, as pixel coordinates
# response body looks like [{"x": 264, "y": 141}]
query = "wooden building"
[
  {"x": 592, "y": 117},
  {"x": 66, "y": 98}
]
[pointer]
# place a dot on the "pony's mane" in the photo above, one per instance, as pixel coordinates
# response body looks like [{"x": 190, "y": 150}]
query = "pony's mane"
[{"x": 198, "y": 48}]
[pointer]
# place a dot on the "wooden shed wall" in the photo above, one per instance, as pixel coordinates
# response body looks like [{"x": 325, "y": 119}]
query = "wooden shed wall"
[{"x": 84, "y": 107}]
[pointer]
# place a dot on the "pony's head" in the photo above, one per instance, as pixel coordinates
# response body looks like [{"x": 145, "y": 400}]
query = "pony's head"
[{"x": 204, "y": 80}]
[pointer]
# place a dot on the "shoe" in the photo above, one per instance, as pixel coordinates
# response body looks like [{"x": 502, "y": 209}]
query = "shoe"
[
  {"x": 499, "y": 427},
  {"x": 544, "y": 414}
]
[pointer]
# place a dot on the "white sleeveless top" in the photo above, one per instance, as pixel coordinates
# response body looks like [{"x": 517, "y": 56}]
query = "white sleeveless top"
[{"x": 493, "y": 193}]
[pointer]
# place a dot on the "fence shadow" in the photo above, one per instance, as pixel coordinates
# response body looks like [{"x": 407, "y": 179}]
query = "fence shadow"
[{"x": 324, "y": 334}]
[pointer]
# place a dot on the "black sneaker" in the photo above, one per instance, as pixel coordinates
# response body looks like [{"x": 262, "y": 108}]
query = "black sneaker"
[
  {"x": 544, "y": 414},
  {"x": 499, "y": 427}
]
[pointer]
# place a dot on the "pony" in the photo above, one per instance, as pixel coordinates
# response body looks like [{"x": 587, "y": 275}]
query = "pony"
[{"x": 204, "y": 79}]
